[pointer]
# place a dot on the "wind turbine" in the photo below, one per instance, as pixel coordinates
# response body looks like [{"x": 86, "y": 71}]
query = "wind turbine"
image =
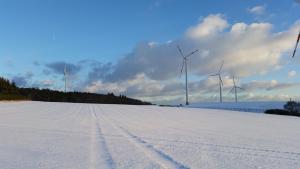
[
  {"x": 184, "y": 65},
  {"x": 220, "y": 80},
  {"x": 65, "y": 77},
  {"x": 234, "y": 88},
  {"x": 298, "y": 39}
]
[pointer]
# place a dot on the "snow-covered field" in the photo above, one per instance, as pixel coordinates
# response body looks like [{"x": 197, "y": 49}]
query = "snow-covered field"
[
  {"x": 257, "y": 107},
  {"x": 88, "y": 136}
]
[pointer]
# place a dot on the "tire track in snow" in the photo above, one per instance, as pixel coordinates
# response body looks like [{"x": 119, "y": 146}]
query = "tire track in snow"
[
  {"x": 100, "y": 158},
  {"x": 224, "y": 146},
  {"x": 164, "y": 160},
  {"x": 210, "y": 147},
  {"x": 234, "y": 152}
]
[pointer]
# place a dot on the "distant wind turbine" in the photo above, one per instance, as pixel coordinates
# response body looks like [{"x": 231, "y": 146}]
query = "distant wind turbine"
[
  {"x": 234, "y": 88},
  {"x": 220, "y": 80},
  {"x": 65, "y": 77},
  {"x": 298, "y": 39},
  {"x": 184, "y": 65}
]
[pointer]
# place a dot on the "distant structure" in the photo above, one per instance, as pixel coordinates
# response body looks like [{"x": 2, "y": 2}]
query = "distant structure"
[
  {"x": 220, "y": 81},
  {"x": 298, "y": 39},
  {"x": 65, "y": 77},
  {"x": 234, "y": 88},
  {"x": 184, "y": 65}
]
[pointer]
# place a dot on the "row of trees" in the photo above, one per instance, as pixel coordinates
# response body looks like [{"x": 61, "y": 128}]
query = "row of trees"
[
  {"x": 291, "y": 108},
  {"x": 9, "y": 91}
]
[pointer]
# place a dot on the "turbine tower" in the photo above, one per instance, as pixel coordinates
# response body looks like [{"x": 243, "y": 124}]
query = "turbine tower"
[
  {"x": 65, "y": 77},
  {"x": 234, "y": 88},
  {"x": 220, "y": 81},
  {"x": 298, "y": 39},
  {"x": 184, "y": 65}
]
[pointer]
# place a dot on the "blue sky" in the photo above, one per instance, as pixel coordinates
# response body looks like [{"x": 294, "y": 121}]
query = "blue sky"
[{"x": 111, "y": 46}]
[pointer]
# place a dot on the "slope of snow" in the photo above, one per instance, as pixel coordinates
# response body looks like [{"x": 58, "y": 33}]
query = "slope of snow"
[
  {"x": 90, "y": 136},
  {"x": 257, "y": 107}
]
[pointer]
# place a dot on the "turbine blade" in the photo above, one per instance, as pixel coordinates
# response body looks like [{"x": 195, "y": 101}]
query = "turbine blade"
[
  {"x": 181, "y": 68},
  {"x": 231, "y": 90},
  {"x": 192, "y": 53},
  {"x": 240, "y": 88},
  {"x": 221, "y": 66},
  {"x": 233, "y": 80},
  {"x": 294, "y": 51},
  {"x": 296, "y": 46},
  {"x": 180, "y": 51}
]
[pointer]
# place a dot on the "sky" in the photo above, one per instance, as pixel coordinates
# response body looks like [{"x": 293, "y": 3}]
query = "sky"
[{"x": 130, "y": 47}]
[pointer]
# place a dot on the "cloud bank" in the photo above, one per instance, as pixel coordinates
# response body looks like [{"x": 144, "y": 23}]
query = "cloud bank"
[
  {"x": 151, "y": 70},
  {"x": 247, "y": 49}
]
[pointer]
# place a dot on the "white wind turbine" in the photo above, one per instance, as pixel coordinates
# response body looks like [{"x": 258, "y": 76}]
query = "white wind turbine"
[
  {"x": 220, "y": 80},
  {"x": 184, "y": 65},
  {"x": 234, "y": 88},
  {"x": 65, "y": 77}
]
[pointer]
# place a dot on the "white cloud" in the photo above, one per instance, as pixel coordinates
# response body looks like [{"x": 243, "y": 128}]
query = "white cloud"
[
  {"x": 257, "y": 10},
  {"x": 209, "y": 26},
  {"x": 151, "y": 69},
  {"x": 140, "y": 85},
  {"x": 292, "y": 73}
]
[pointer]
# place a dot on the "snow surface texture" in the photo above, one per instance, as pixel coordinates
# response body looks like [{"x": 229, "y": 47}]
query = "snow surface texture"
[
  {"x": 90, "y": 136},
  {"x": 257, "y": 107}
]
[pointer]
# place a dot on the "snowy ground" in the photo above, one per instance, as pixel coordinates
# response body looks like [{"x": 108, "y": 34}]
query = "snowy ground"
[
  {"x": 257, "y": 107},
  {"x": 88, "y": 136}
]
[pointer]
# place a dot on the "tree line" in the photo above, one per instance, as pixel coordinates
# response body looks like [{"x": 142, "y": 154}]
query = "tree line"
[{"x": 9, "y": 91}]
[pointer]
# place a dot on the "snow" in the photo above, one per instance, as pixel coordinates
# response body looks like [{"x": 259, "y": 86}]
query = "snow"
[
  {"x": 257, "y": 107},
  {"x": 92, "y": 136}
]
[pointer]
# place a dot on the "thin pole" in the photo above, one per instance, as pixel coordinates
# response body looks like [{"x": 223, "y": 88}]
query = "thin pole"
[
  {"x": 65, "y": 83},
  {"x": 186, "y": 83},
  {"x": 235, "y": 94},
  {"x": 65, "y": 73},
  {"x": 220, "y": 82}
]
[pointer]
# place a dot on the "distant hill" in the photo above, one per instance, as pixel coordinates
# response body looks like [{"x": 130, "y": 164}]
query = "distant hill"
[{"x": 9, "y": 91}]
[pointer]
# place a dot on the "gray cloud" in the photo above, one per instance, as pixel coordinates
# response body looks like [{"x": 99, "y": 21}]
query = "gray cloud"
[
  {"x": 98, "y": 71},
  {"x": 268, "y": 85},
  {"x": 48, "y": 83},
  {"x": 36, "y": 63},
  {"x": 58, "y": 68},
  {"x": 158, "y": 62},
  {"x": 22, "y": 80}
]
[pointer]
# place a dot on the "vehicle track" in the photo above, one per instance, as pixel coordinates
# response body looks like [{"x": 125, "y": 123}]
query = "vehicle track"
[
  {"x": 209, "y": 147},
  {"x": 163, "y": 159},
  {"x": 100, "y": 157}
]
